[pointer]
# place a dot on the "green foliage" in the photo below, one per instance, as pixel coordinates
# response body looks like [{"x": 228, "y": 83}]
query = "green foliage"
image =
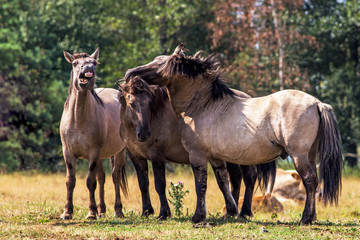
[
  {"x": 177, "y": 194},
  {"x": 335, "y": 69},
  {"x": 34, "y": 76}
]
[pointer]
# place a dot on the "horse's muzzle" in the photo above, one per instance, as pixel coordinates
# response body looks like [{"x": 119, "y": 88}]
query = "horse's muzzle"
[{"x": 142, "y": 135}]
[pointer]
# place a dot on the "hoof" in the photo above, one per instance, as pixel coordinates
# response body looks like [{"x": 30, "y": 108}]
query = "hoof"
[
  {"x": 102, "y": 209},
  {"x": 306, "y": 222},
  {"x": 91, "y": 216},
  {"x": 164, "y": 215},
  {"x": 66, "y": 216},
  {"x": 148, "y": 212},
  {"x": 246, "y": 214},
  {"x": 101, "y": 215},
  {"x": 242, "y": 218},
  {"x": 198, "y": 218},
  {"x": 119, "y": 214}
]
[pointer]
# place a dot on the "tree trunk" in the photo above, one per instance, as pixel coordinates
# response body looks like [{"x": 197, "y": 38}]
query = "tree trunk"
[
  {"x": 351, "y": 156},
  {"x": 163, "y": 27},
  {"x": 277, "y": 26}
]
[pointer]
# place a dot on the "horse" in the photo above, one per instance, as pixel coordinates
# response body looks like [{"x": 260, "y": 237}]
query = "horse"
[
  {"x": 216, "y": 124},
  {"x": 89, "y": 129},
  {"x": 149, "y": 129}
]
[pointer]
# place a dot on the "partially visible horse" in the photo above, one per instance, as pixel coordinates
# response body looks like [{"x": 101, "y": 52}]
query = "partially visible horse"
[
  {"x": 216, "y": 124},
  {"x": 150, "y": 130},
  {"x": 89, "y": 129}
]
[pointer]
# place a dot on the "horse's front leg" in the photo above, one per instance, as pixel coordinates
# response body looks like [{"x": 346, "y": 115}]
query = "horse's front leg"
[
  {"x": 141, "y": 167},
  {"x": 221, "y": 175},
  {"x": 117, "y": 163},
  {"x": 160, "y": 186},
  {"x": 94, "y": 162},
  {"x": 70, "y": 161},
  {"x": 198, "y": 163},
  {"x": 101, "y": 181},
  {"x": 249, "y": 174}
]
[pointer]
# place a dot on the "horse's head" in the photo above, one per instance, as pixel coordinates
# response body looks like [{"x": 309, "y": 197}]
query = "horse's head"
[
  {"x": 149, "y": 72},
  {"x": 83, "y": 69},
  {"x": 136, "y": 97},
  {"x": 164, "y": 70},
  {"x": 153, "y": 72}
]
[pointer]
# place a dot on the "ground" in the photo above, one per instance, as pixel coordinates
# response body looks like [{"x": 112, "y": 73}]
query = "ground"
[{"x": 31, "y": 205}]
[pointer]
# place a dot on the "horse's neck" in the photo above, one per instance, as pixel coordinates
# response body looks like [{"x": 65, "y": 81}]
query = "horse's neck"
[
  {"x": 189, "y": 98},
  {"x": 80, "y": 107}
]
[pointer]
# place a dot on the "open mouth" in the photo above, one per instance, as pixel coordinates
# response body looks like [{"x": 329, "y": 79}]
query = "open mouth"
[{"x": 85, "y": 77}]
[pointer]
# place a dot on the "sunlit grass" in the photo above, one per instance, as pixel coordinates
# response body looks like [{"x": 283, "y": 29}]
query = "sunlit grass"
[{"x": 30, "y": 207}]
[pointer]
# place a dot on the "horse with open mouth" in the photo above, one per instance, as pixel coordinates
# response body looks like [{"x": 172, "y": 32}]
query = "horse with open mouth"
[
  {"x": 89, "y": 129},
  {"x": 215, "y": 124}
]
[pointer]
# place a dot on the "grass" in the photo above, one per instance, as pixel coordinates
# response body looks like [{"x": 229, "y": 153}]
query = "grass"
[{"x": 30, "y": 207}]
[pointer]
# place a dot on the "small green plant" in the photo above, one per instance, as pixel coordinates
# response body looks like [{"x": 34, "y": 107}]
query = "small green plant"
[{"x": 177, "y": 194}]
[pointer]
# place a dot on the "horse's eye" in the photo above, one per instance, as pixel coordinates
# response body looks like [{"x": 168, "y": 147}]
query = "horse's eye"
[
  {"x": 129, "y": 96},
  {"x": 74, "y": 64}
]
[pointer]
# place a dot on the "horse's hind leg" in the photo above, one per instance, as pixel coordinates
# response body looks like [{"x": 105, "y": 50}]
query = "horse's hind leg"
[
  {"x": 221, "y": 175},
  {"x": 141, "y": 168},
  {"x": 160, "y": 186},
  {"x": 249, "y": 173},
  {"x": 305, "y": 166},
  {"x": 117, "y": 163},
  {"x": 101, "y": 181},
  {"x": 236, "y": 176},
  {"x": 94, "y": 162},
  {"x": 70, "y": 161}
]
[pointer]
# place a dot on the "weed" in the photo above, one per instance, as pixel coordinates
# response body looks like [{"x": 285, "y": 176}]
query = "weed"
[{"x": 177, "y": 194}]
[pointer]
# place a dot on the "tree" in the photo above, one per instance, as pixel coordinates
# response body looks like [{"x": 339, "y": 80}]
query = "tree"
[
  {"x": 262, "y": 42},
  {"x": 334, "y": 68}
]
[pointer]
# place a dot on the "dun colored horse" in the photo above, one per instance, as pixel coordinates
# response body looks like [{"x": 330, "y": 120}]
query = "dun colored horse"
[
  {"x": 215, "y": 124},
  {"x": 89, "y": 129},
  {"x": 149, "y": 128}
]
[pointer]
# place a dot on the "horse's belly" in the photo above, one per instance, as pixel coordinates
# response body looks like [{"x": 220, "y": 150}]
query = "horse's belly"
[{"x": 245, "y": 149}]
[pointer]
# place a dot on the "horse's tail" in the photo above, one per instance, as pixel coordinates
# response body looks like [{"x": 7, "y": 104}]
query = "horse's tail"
[
  {"x": 123, "y": 182},
  {"x": 266, "y": 174},
  {"x": 330, "y": 154}
]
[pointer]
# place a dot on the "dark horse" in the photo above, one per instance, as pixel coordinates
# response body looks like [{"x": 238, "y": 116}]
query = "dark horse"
[
  {"x": 149, "y": 128},
  {"x": 216, "y": 124},
  {"x": 89, "y": 129}
]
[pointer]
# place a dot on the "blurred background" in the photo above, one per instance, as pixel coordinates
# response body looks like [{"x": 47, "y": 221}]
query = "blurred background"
[{"x": 265, "y": 46}]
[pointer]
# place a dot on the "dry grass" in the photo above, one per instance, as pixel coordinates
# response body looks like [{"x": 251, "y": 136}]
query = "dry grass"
[{"x": 30, "y": 206}]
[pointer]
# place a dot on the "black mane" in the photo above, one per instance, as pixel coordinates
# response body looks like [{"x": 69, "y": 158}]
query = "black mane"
[{"x": 193, "y": 66}]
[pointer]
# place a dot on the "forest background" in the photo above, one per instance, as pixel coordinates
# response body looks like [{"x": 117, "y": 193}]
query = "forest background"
[{"x": 265, "y": 46}]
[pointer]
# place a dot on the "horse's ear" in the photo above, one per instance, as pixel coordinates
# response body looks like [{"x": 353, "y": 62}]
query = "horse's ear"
[
  {"x": 179, "y": 49},
  {"x": 296, "y": 176},
  {"x": 137, "y": 84},
  {"x": 119, "y": 84},
  {"x": 95, "y": 55},
  {"x": 70, "y": 58}
]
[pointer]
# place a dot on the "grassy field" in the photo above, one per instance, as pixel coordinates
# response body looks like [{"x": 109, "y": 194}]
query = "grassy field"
[{"x": 30, "y": 207}]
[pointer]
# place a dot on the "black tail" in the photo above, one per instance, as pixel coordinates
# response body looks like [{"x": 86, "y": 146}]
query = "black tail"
[
  {"x": 266, "y": 174},
  {"x": 330, "y": 154}
]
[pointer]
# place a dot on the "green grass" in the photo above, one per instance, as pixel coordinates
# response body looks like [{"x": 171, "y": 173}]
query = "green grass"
[{"x": 30, "y": 207}]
